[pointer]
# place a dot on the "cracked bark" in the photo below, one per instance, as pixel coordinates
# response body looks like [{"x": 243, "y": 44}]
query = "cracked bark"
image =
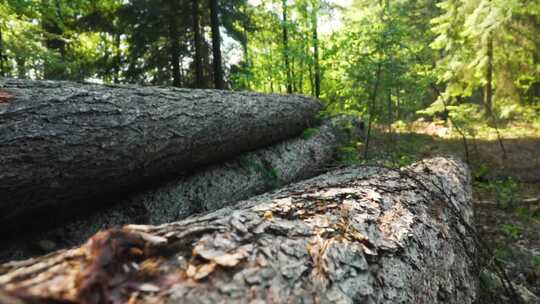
[
  {"x": 365, "y": 234},
  {"x": 209, "y": 189},
  {"x": 65, "y": 146}
]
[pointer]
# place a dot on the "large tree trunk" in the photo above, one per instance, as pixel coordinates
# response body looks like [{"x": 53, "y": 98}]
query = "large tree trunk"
[
  {"x": 66, "y": 146},
  {"x": 357, "y": 235},
  {"x": 209, "y": 189}
]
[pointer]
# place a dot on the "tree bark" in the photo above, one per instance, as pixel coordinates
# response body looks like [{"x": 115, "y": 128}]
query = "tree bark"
[
  {"x": 216, "y": 45},
  {"x": 214, "y": 187},
  {"x": 357, "y": 235},
  {"x": 66, "y": 146}
]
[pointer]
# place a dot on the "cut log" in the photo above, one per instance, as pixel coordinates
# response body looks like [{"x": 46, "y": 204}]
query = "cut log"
[
  {"x": 65, "y": 146},
  {"x": 357, "y": 235},
  {"x": 212, "y": 188}
]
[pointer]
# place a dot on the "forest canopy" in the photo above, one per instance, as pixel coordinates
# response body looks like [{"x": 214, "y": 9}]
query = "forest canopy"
[{"x": 387, "y": 60}]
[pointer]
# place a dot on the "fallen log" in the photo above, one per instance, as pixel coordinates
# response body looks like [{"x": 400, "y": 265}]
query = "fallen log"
[
  {"x": 362, "y": 235},
  {"x": 65, "y": 146},
  {"x": 209, "y": 189}
]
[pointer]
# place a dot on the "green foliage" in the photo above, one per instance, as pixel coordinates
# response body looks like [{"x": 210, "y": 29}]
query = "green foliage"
[
  {"x": 503, "y": 254},
  {"x": 505, "y": 192},
  {"x": 309, "y": 133},
  {"x": 511, "y": 231},
  {"x": 480, "y": 172},
  {"x": 348, "y": 155},
  {"x": 536, "y": 260},
  {"x": 386, "y": 63}
]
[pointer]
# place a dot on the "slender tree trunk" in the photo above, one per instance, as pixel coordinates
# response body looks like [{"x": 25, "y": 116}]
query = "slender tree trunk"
[
  {"x": 77, "y": 145},
  {"x": 2, "y": 52},
  {"x": 398, "y": 103},
  {"x": 488, "y": 94},
  {"x": 390, "y": 109},
  {"x": 174, "y": 42},
  {"x": 197, "y": 42},
  {"x": 371, "y": 109},
  {"x": 245, "y": 47},
  {"x": 55, "y": 43},
  {"x": 118, "y": 57},
  {"x": 535, "y": 87},
  {"x": 286, "y": 47},
  {"x": 21, "y": 67},
  {"x": 314, "y": 21},
  {"x": 216, "y": 45}
]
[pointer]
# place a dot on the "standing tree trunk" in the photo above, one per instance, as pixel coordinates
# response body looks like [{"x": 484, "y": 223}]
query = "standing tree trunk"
[
  {"x": 66, "y": 146},
  {"x": 216, "y": 45},
  {"x": 314, "y": 21},
  {"x": 174, "y": 42},
  {"x": 357, "y": 235},
  {"x": 118, "y": 56},
  {"x": 197, "y": 42},
  {"x": 488, "y": 94},
  {"x": 54, "y": 69},
  {"x": 2, "y": 52},
  {"x": 371, "y": 109},
  {"x": 286, "y": 47},
  {"x": 21, "y": 67}
]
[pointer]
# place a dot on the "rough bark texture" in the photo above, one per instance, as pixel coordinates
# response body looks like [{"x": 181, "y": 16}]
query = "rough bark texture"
[
  {"x": 357, "y": 235},
  {"x": 64, "y": 146},
  {"x": 212, "y": 188}
]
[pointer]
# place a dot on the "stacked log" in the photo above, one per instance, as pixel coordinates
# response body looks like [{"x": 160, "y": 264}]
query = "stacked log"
[
  {"x": 180, "y": 168},
  {"x": 209, "y": 189},
  {"x": 361, "y": 234},
  {"x": 70, "y": 148}
]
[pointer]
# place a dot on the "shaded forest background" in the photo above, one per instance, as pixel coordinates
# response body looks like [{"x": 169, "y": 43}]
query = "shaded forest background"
[{"x": 386, "y": 60}]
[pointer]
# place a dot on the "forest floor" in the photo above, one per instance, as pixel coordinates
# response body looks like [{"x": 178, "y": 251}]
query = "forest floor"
[{"x": 506, "y": 194}]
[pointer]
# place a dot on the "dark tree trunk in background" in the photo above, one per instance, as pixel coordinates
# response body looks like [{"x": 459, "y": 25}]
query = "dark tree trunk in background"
[
  {"x": 216, "y": 45},
  {"x": 117, "y": 57},
  {"x": 2, "y": 59},
  {"x": 54, "y": 70},
  {"x": 314, "y": 20},
  {"x": 535, "y": 86},
  {"x": 65, "y": 146},
  {"x": 286, "y": 47},
  {"x": 488, "y": 94},
  {"x": 371, "y": 110},
  {"x": 21, "y": 67},
  {"x": 174, "y": 42},
  {"x": 210, "y": 188},
  {"x": 197, "y": 42},
  {"x": 357, "y": 235}
]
